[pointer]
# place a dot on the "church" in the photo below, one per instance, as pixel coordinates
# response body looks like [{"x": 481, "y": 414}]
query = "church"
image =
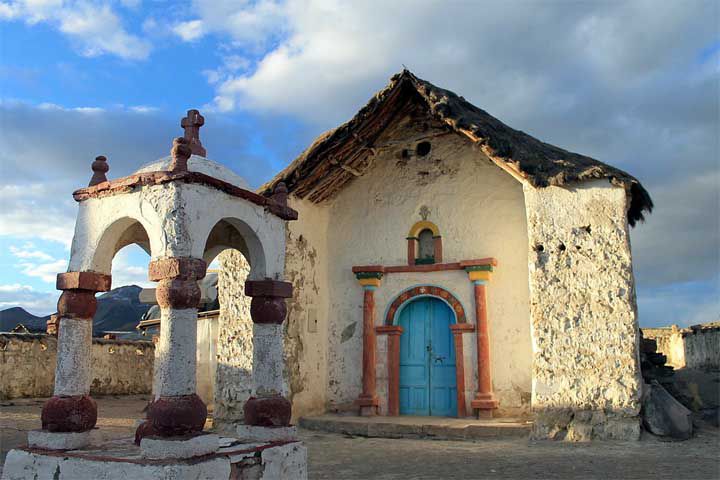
[
  {"x": 421, "y": 259},
  {"x": 446, "y": 264}
]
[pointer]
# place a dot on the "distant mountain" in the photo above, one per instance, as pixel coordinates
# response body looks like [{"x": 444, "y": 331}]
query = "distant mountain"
[
  {"x": 12, "y": 316},
  {"x": 118, "y": 310}
]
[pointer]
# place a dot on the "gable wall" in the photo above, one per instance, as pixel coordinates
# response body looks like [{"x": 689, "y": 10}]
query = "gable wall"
[{"x": 480, "y": 212}]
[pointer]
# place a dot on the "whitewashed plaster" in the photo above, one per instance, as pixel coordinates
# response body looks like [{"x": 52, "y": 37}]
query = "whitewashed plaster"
[
  {"x": 177, "y": 219},
  {"x": 73, "y": 373},
  {"x": 309, "y": 310},
  {"x": 268, "y": 364},
  {"x": 200, "y": 164},
  {"x": 480, "y": 212},
  {"x": 176, "y": 356}
]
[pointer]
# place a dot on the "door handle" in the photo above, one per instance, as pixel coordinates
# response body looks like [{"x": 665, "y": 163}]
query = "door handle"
[{"x": 439, "y": 359}]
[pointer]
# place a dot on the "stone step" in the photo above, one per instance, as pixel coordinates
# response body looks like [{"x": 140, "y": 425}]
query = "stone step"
[{"x": 418, "y": 427}]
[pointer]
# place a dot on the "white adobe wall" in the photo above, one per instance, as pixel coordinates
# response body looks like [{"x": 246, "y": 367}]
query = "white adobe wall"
[
  {"x": 178, "y": 219},
  {"x": 586, "y": 375},
  {"x": 306, "y": 327},
  {"x": 480, "y": 212}
]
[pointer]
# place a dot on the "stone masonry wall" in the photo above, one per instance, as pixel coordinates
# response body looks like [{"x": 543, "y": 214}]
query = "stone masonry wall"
[
  {"x": 235, "y": 345},
  {"x": 586, "y": 375},
  {"x": 695, "y": 347},
  {"x": 27, "y": 366}
]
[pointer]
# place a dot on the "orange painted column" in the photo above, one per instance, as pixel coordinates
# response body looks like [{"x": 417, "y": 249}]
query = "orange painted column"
[
  {"x": 368, "y": 400},
  {"x": 484, "y": 401},
  {"x": 457, "y": 330},
  {"x": 411, "y": 250},
  {"x": 393, "y": 333}
]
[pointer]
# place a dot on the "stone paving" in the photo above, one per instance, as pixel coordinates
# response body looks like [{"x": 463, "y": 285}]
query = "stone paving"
[{"x": 339, "y": 457}]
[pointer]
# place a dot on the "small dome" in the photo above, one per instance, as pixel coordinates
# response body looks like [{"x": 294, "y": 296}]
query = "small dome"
[{"x": 199, "y": 164}]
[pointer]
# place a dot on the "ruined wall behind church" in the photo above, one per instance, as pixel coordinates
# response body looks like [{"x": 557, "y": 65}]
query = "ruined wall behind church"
[
  {"x": 480, "y": 212},
  {"x": 586, "y": 376}
]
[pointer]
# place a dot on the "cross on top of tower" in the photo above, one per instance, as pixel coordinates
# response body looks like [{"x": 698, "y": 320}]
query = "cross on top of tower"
[{"x": 191, "y": 124}]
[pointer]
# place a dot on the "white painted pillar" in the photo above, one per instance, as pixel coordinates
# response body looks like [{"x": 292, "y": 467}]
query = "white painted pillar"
[
  {"x": 269, "y": 407},
  {"x": 69, "y": 415}
]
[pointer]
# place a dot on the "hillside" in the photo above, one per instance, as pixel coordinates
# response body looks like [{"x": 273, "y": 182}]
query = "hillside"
[
  {"x": 10, "y": 317},
  {"x": 118, "y": 310}
]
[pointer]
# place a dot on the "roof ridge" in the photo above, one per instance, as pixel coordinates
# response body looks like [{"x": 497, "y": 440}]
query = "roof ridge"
[{"x": 521, "y": 155}]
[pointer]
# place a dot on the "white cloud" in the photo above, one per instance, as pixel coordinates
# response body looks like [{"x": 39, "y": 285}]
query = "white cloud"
[
  {"x": 36, "y": 263},
  {"x": 26, "y": 252},
  {"x": 130, "y": 267},
  {"x": 32, "y": 211},
  {"x": 144, "y": 109},
  {"x": 505, "y": 54},
  {"x": 46, "y": 271},
  {"x": 250, "y": 24},
  {"x": 189, "y": 31},
  {"x": 231, "y": 64},
  {"x": 38, "y": 303},
  {"x": 95, "y": 28}
]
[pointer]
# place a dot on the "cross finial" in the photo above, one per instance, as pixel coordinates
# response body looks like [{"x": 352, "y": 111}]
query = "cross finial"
[{"x": 191, "y": 124}]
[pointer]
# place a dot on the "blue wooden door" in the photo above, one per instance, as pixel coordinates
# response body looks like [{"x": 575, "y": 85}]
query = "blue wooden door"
[{"x": 427, "y": 359}]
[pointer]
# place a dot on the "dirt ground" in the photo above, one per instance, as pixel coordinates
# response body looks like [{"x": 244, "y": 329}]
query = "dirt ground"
[{"x": 340, "y": 457}]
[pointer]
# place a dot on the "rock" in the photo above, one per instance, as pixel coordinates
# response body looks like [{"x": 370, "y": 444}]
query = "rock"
[{"x": 663, "y": 415}]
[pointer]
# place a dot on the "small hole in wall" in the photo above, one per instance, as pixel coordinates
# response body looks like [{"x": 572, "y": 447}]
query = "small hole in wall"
[
  {"x": 404, "y": 153},
  {"x": 578, "y": 247},
  {"x": 587, "y": 228},
  {"x": 423, "y": 148},
  {"x": 539, "y": 248},
  {"x": 561, "y": 247}
]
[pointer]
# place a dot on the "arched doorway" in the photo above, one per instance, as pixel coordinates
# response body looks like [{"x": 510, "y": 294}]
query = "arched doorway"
[{"x": 427, "y": 359}]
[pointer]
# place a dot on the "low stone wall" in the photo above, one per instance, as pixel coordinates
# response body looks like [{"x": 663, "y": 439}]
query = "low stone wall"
[
  {"x": 694, "y": 347},
  {"x": 27, "y": 366}
]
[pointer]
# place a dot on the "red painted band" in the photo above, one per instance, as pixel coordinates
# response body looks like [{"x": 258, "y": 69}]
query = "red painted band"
[
  {"x": 268, "y": 288},
  {"x": 97, "y": 282},
  {"x": 183, "y": 268},
  {"x": 128, "y": 184},
  {"x": 69, "y": 414},
  {"x": 274, "y": 411},
  {"x": 177, "y": 415}
]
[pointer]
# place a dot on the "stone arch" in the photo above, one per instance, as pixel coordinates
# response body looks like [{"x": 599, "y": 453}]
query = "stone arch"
[
  {"x": 425, "y": 291},
  {"x": 120, "y": 233},
  {"x": 233, "y": 233}
]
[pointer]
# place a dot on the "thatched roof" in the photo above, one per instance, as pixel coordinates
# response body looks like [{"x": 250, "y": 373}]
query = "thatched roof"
[{"x": 330, "y": 162}]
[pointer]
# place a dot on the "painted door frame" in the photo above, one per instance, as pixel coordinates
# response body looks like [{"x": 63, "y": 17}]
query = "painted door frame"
[
  {"x": 428, "y": 379},
  {"x": 394, "y": 331}
]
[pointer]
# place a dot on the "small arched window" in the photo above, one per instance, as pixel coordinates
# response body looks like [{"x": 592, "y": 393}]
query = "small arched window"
[
  {"x": 426, "y": 247},
  {"x": 424, "y": 244}
]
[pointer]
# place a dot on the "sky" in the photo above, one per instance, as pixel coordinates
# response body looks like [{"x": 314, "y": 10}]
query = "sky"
[{"x": 634, "y": 83}]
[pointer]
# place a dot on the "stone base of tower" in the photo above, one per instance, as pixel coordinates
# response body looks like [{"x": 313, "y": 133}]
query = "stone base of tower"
[{"x": 122, "y": 459}]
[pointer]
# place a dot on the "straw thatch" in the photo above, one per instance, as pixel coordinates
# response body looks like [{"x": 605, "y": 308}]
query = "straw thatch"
[{"x": 332, "y": 160}]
